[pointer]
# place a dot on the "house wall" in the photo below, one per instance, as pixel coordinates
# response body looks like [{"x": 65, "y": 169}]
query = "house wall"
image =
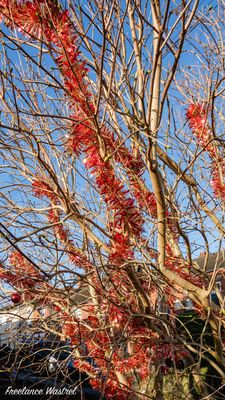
[
  {"x": 12, "y": 323},
  {"x": 20, "y": 322}
]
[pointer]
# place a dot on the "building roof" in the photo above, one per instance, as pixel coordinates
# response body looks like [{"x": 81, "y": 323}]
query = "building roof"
[{"x": 212, "y": 261}]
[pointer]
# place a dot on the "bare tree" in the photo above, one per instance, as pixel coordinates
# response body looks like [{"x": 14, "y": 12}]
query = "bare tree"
[{"x": 112, "y": 165}]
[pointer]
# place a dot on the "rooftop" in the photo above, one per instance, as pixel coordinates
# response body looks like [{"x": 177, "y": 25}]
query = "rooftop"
[{"x": 210, "y": 262}]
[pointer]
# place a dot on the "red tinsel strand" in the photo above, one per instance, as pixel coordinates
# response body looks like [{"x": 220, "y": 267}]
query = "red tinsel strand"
[
  {"x": 121, "y": 154},
  {"x": 78, "y": 258},
  {"x": 60, "y": 231},
  {"x": 11, "y": 278},
  {"x": 218, "y": 179},
  {"x": 126, "y": 216},
  {"x": 113, "y": 192},
  {"x": 41, "y": 189},
  {"x": 27, "y": 275},
  {"x": 144, "y": 197},
  {"x": 197, "y": 119},
  {"x": 45, "y": 19},
  {"x": 58, "y": 31},
  {"x": 21, "y": 264}
]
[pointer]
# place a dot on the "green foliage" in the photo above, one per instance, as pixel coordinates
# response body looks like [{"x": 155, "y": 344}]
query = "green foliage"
[{"x": 198, "y": 333}]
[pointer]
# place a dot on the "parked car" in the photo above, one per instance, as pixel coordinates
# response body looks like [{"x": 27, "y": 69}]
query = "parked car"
[{"x": 43, "y": 367}]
